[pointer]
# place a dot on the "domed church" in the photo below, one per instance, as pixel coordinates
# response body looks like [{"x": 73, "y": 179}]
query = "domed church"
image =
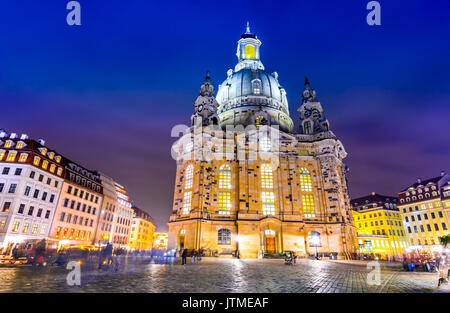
[{"x": 247, "y": 183}]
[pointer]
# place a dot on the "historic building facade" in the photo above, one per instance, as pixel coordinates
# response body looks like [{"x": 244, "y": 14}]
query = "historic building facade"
[
  {"x": 31, "y": 177},
  {"x": 247, "y": 182},
  {"x": 78, "y": 208},
  {"x": 142, "y": 230},
  {"x": 425, "y": 208},
  {"x": 380, "y": 226}
]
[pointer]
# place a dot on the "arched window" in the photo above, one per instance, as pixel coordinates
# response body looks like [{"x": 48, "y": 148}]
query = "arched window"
[
  {"x": 249, "y": 52},
  {"x": 189, "y": 173},
  {"x": 225, "y": 176},
  {"x": 266, "y": 176},
  {"x": 224, "y": 237},
  {"x": 305, "y": 180},
  {"x": 307, "y": 127},
  {"x": 256, "y": 85}
]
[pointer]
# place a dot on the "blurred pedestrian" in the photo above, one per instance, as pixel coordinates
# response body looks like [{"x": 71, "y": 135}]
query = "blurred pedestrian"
[{"x": 184, "y": 256}]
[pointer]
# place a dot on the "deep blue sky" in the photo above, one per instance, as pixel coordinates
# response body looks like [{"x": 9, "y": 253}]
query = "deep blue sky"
[{"x": 107, "y": 93}]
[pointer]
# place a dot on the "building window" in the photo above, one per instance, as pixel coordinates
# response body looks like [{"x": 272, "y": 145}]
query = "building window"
[
  {"x": 15, "y": 227},
  {"x": 256, "y": 84},
  {"x": 25, "y": 228},
  {"x": 266, "y": 176},
  {"x": 5, "y": 171},
  {"x": 224, "y": 202},
  {"x": 11, "y": 156},
  {"x": 187, "y": 202},
  {"x": 308, "y": 206},
  {"x": 23, "y": 157},
  {"x": 12, "y": 188},
  {"x": 189, "y": 175},
  {"x": 249, "y": 52},
  {"x": 307, "y": 127},
  {"x": 35, "y": 228},
  {"x": 224, "y": 176},
  {"x": 268, "y": 203},
  {"x": 305, "y": 180},
  {"x": 224, "y": 237},
  {"x": 36, "y": 160}
]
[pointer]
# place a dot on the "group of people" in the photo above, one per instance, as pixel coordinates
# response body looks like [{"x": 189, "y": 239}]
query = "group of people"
[{"x": 196, "y": 255}]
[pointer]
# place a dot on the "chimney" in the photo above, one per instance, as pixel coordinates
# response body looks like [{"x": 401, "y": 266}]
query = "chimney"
[
  {"x": 23, "y": 137},
  {"x": 442, "y": 173},
  {"x": 13, "y": 136},
  {"x": 41, "y": 141},
  {"x": 419, "y": 180}
]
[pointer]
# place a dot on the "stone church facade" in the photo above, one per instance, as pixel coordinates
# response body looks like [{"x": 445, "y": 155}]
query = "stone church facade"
[{"x": 247, "y": 183}]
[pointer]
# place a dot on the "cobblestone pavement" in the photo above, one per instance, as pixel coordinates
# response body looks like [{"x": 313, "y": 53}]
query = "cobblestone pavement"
[{"x": 223, "y": 275}]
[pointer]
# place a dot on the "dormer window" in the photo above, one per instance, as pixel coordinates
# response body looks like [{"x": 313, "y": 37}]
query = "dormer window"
[
  {"x": 23, "y": 157},
  {"x": 256, "y": 85},
  {"x": 51, "y": 155},
  {"x": 36, "y": 160},
  {"x": 58, "y": 158},
  {"x": 11, "y": 156},
  {"x": 9, "y": 144},
  {"x": 44, "y": 151},
  {"x": 20, "y": 145}
]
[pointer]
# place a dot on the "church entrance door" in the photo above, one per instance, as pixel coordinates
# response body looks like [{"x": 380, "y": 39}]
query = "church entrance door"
[{"x": 270, "y": 244}]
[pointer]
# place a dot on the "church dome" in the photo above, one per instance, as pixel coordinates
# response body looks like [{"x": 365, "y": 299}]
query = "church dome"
[{"x": 250, "y": 95}]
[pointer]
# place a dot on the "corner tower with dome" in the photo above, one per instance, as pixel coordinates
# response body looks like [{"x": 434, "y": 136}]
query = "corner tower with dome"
[{"x": 240, "y": 189}]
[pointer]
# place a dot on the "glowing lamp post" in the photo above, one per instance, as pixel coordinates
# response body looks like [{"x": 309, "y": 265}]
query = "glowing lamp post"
[{"x": 314, "y": 241}]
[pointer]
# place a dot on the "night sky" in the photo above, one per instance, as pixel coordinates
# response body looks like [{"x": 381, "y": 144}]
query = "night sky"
[{"x": 107, "y": 93}]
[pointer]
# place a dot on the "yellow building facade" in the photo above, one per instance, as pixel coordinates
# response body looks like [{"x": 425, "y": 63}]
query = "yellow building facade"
[
  {"x": 142, "y": 231},
  {"x": 425, "y": 209},
  {"x": 379, "y": 223},
  {"x": 246, "y": 183}
]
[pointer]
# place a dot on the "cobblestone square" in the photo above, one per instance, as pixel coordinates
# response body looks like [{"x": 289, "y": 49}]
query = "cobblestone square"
[{"x": 225, "y": 276}]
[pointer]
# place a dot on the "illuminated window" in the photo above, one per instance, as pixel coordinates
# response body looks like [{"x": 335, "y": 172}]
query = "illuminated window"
[
  {"x": 224, "y": 236},
  {"x": 36, "y": 160},
  {"x": 305, "y": 180},
  {"x": 2, "y": 154},
  {"x": 15, "y": 227},
  {"x": 59, "y": 171},
  {"x": 249, "y": 52},
  {"x": 187, "y": 202},
  {"x": 44, "y": 151},
  {"x": 265, "y": 144},
  {"x": 20, "y": 145},
  {"x": 11, "y": 156},
  {"x": 23, "y": 157},
  {"x": 52, "y": 168},
  {"x": 189, "y": 174},
  {"x": 224, "y": 202},
  {"x": 51, "y": 155},
  {"x": 8, "y": 144},
  {"x": 268, "y": 203},
  {"x": 35, "y": 228},
  {"x": 256, "y": 85},
  {"x": 44, "y": 164},
  {"x": 308, "y": 206},
  {"x": 25, "y": 228},
  {"x": 58, "y": 159},
  {"x": 266, "y": 176},
  {"x": 225, "y": 176}
]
